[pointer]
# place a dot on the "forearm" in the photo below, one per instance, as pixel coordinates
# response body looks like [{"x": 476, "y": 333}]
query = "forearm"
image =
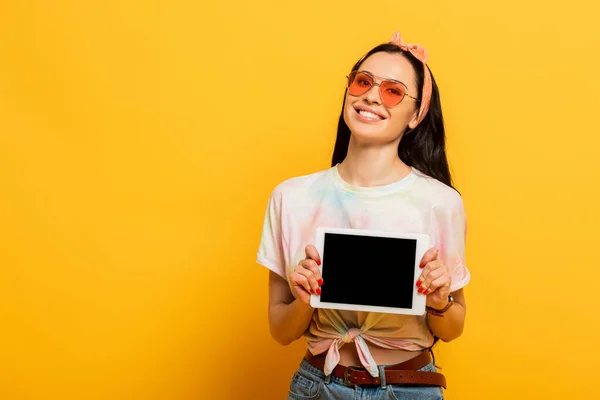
[
  {"x": 449, "y": 325},
  {"x": 288, "y": 322}
]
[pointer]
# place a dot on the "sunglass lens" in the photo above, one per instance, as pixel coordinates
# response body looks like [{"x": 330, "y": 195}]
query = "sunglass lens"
[
  {"x": 359, "y": 83},
  {"x": 392, "y": 93}
]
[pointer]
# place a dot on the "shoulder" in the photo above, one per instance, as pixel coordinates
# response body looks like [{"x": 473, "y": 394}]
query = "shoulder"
[
  {"x": 438, "y": 193},
  {"x": 302, "y": 185}
]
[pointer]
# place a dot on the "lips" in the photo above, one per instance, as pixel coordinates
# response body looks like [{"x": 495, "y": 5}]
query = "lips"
[{"x": 369, "y": 113}]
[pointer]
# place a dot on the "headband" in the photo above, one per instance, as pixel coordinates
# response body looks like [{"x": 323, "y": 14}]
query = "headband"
[{"x": 420, "y": 53}]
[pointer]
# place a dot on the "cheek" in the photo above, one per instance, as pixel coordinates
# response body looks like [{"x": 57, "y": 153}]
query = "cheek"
[
  {"x": 397, "y": 124},
  {"x": 348, "y": 110},
  {"x": 401, "y": 117}
]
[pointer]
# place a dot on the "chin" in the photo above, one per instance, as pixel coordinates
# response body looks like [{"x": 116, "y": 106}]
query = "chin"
[{"x": 367, "y": 132}]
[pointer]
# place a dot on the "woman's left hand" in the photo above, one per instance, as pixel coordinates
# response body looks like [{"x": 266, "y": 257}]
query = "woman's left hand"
[{"x": 435, "y": 280}]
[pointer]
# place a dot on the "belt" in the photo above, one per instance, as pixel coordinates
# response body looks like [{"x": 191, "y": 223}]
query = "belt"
[{"x": 404, "y": 373}]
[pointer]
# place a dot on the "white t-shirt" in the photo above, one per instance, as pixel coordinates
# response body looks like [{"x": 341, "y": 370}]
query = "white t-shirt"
[{"x": 415, "y": 204}]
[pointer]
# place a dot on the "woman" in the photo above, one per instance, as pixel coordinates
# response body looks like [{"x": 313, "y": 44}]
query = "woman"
[{"x": 389, "y": 172}]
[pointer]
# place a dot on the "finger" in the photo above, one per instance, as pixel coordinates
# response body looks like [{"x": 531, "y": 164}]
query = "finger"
[
  {"x": 425, "y": 282},
  {"x": 431, "y": 266},
  {"x": 300, "y": 281},
  {"x": 312, "y": 253},
  {"x": 300, "y": 293},
  {"x": 441, "y": 282},
  {"x": 310, "y": 277},
  {"x": 303, "y": 295},
  {"x": 429, "y": 256},
  {"x": 314, "y": 268}
]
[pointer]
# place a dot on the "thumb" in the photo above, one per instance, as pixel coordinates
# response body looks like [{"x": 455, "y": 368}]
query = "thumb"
[
  {"x": 430, "y": 255},
  {"x": 312, "y": 253}
]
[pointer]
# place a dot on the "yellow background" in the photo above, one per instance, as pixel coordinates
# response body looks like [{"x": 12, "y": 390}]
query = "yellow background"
[{"x": 140, "y": 140}]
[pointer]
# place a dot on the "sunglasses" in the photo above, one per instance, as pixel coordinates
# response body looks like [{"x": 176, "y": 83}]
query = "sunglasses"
[{"x": 392, "y": 92}]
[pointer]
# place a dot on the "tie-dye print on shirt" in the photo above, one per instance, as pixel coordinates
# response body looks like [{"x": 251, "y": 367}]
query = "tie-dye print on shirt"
[{"x": 416, "y": 203}]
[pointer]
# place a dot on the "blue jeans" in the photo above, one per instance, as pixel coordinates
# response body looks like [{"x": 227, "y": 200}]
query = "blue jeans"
[{"x": 309, "y": 382}]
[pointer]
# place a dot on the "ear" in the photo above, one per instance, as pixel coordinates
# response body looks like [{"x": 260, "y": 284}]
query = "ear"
[{"x": 413, "y": 122}]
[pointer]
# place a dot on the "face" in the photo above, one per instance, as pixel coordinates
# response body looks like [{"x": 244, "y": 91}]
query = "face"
[{"x": 366, "y": 115}]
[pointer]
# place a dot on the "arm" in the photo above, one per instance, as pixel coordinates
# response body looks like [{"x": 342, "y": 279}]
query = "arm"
[
  {"x": 449, "y": 326},
  {"x": 445, "y": 269},
  {"x": 290, "y": 313},
  {"x": 288, "y": 317},
  {"x": 435, "y": 282}
]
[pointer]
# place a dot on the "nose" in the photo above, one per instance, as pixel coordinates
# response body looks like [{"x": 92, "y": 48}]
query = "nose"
[{"x": 373, "y": 95}]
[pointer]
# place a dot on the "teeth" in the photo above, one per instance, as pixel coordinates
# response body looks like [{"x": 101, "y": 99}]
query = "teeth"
[{"x": 369, "y": 114}]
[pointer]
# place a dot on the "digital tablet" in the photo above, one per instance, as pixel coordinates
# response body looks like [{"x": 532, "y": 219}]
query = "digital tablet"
[{"x": 365, "y": 270}]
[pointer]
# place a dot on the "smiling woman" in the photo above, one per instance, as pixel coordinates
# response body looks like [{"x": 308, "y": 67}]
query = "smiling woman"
[{"x": 389, "y": 172}]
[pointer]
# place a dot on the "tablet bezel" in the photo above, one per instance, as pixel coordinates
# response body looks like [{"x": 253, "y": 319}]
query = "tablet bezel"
[{"x": 418, "y": 303}]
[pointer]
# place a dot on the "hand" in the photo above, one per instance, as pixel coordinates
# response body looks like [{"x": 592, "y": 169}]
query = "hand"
[
  {"x": 435, "y": 280},
  {"x": 306, "y": 278}
]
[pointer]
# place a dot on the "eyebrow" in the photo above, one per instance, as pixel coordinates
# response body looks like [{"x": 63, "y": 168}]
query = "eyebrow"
[{"x": 382, "y": 78}]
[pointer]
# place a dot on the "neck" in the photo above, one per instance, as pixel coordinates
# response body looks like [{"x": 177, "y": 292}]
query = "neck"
[{"x": 372, "y": 165}]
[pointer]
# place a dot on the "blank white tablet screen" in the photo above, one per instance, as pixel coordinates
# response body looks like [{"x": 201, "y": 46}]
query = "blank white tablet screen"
[{"x": 368, "y": 270}]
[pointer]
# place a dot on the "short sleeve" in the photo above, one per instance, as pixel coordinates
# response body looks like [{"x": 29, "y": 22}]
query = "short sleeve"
[
  {"x": 271, "y": 249},
  {"x": 450, "y": 240}
]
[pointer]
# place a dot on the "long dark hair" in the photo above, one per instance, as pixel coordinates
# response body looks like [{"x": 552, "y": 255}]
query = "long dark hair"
[{"x": 423, "y": 148}]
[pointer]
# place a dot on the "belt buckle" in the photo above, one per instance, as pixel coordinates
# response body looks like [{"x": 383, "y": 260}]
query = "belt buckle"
[{"x": 347, "y": 375}]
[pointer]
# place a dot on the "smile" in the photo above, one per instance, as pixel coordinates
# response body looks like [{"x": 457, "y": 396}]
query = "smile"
[{"x": 369, "y": 115}]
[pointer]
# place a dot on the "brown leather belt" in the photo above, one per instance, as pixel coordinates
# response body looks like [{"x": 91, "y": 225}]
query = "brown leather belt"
[{"x": 404, "y": 373}]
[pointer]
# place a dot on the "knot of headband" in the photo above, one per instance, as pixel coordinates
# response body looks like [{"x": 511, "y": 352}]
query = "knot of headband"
[{"x": 420, "y": 53}]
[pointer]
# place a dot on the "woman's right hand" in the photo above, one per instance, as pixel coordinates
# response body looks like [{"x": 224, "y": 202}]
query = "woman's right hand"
[{"x": 306, "y": 278}]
